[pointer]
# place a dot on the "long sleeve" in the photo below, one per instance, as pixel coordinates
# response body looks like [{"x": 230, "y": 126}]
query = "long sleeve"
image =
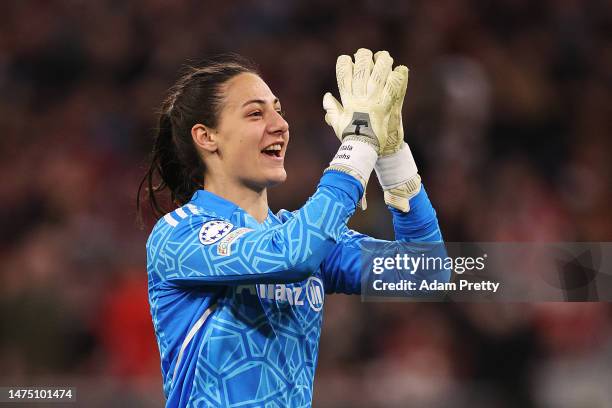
[
  {"x": 420, "y": 224},
  {"x": 342, "y": 268},
  {"x": 285, "y": 253}
]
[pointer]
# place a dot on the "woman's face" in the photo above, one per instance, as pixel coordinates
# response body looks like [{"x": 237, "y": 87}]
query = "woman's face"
[{"x": 252, "y": 135}]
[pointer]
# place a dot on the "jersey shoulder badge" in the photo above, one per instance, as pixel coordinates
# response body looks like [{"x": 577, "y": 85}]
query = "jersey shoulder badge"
[{"x": 212, "y": 231}]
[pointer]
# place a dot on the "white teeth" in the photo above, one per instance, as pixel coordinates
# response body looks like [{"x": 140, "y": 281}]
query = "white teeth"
[{"x": 273, "y": 148}]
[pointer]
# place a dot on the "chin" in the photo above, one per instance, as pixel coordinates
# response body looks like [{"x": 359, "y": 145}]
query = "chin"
[{"x": 279, "y": 176}]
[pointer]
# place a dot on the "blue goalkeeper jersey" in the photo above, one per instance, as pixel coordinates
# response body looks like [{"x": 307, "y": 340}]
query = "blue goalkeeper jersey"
[{"x": 237, "y": 305}]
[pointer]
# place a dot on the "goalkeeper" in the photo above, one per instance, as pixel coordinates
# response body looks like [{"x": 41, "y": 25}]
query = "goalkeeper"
[{"x": 236, "y": 292}]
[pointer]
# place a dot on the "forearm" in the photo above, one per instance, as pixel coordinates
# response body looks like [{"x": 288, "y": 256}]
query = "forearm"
[
  {"x": 420, "y": 224},
  {"x": 286, "y": 253}
]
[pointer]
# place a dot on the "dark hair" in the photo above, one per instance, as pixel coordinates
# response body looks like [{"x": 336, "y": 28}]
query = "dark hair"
[{"x": 195, "y": 98}]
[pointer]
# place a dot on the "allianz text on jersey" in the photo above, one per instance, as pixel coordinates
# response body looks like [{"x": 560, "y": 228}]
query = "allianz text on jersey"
[{"x": 310, "y": 293}]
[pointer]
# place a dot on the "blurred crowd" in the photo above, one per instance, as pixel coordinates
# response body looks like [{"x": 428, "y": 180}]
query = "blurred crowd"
[{"x": 507, "y": 112}]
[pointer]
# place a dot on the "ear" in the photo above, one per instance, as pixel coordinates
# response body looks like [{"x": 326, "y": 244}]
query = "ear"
[{"x": 204, "y": 137}]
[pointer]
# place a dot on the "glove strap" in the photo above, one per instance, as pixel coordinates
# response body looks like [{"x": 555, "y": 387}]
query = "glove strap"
[
  {"x": 399, "y": 197},
  {"x": 356, "y": 158},
  {"x": 396, "y": 169},
  {"x": 360, "y": 128}
]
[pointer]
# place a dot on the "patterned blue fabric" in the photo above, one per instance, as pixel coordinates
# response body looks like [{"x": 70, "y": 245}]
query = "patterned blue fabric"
[{"x": 237, "y": 305}]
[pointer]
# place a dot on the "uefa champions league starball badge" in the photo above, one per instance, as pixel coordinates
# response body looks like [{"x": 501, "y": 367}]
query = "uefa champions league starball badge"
[{"x": 212, "y": 231}]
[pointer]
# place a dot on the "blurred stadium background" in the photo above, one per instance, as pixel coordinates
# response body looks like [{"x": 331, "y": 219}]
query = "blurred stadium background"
[{"x": 508, "y": 113}]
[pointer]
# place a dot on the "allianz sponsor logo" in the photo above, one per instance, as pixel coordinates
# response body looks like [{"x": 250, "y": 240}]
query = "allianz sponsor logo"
[{"x": 312, "y": 293}]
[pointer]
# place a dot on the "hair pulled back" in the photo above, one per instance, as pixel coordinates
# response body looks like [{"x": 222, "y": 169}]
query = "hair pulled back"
[{"x": 195, "y": 98}]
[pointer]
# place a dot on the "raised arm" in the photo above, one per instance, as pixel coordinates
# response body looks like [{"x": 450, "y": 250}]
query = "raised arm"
[
  {"x": 414, "y": 218},
  {"x": 287, "y": 253},
  {"x": 342, "y": 268}
]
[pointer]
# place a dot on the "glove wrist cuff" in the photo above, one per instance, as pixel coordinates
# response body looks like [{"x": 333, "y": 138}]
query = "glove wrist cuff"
[
  {"x": 356, "y": 156},
  {"x": 396, "y": 169}
]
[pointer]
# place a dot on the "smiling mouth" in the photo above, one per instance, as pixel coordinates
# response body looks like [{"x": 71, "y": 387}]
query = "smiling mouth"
[{"x": 273, "y": 150}]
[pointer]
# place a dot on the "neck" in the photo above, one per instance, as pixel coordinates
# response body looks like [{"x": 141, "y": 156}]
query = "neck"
[{"x": 253, "y": 201}]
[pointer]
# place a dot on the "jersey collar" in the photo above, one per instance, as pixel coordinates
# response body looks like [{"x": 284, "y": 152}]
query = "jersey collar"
[
  {"x": 224, "y": 208},
  {"x": 214, "y": 203}
]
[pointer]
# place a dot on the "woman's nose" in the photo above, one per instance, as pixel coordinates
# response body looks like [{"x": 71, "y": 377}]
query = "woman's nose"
[{"x": 278, "y": 124}]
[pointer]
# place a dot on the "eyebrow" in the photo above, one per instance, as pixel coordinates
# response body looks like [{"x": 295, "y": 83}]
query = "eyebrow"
[{"x": 260, "y": 101}]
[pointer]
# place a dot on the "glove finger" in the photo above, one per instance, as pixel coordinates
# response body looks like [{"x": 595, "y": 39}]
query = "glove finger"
[
  {"x": 392, "y": 90},
  {"x": 333, "y": 108},
  {"x": 361, "y": 71},
  {"x": 404, "y": 72},
  {"x": 331, "y": 104},
  {"x": 382, "y": 67},
  {"x": 395, "y": 133},
  {"x": 344, "y": 76}
]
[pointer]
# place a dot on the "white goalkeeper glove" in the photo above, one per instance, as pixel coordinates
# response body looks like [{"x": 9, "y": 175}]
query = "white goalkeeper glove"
[
  {"x": 396, "y": 170},
  {"x": 368, "y": 91}
]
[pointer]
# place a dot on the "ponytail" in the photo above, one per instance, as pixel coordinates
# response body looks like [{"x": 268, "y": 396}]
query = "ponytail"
[{"x": 181, "y": 172}]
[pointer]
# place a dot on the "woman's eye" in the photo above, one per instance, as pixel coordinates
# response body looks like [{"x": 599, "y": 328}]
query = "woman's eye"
[{"x": 260, "y": 113}]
